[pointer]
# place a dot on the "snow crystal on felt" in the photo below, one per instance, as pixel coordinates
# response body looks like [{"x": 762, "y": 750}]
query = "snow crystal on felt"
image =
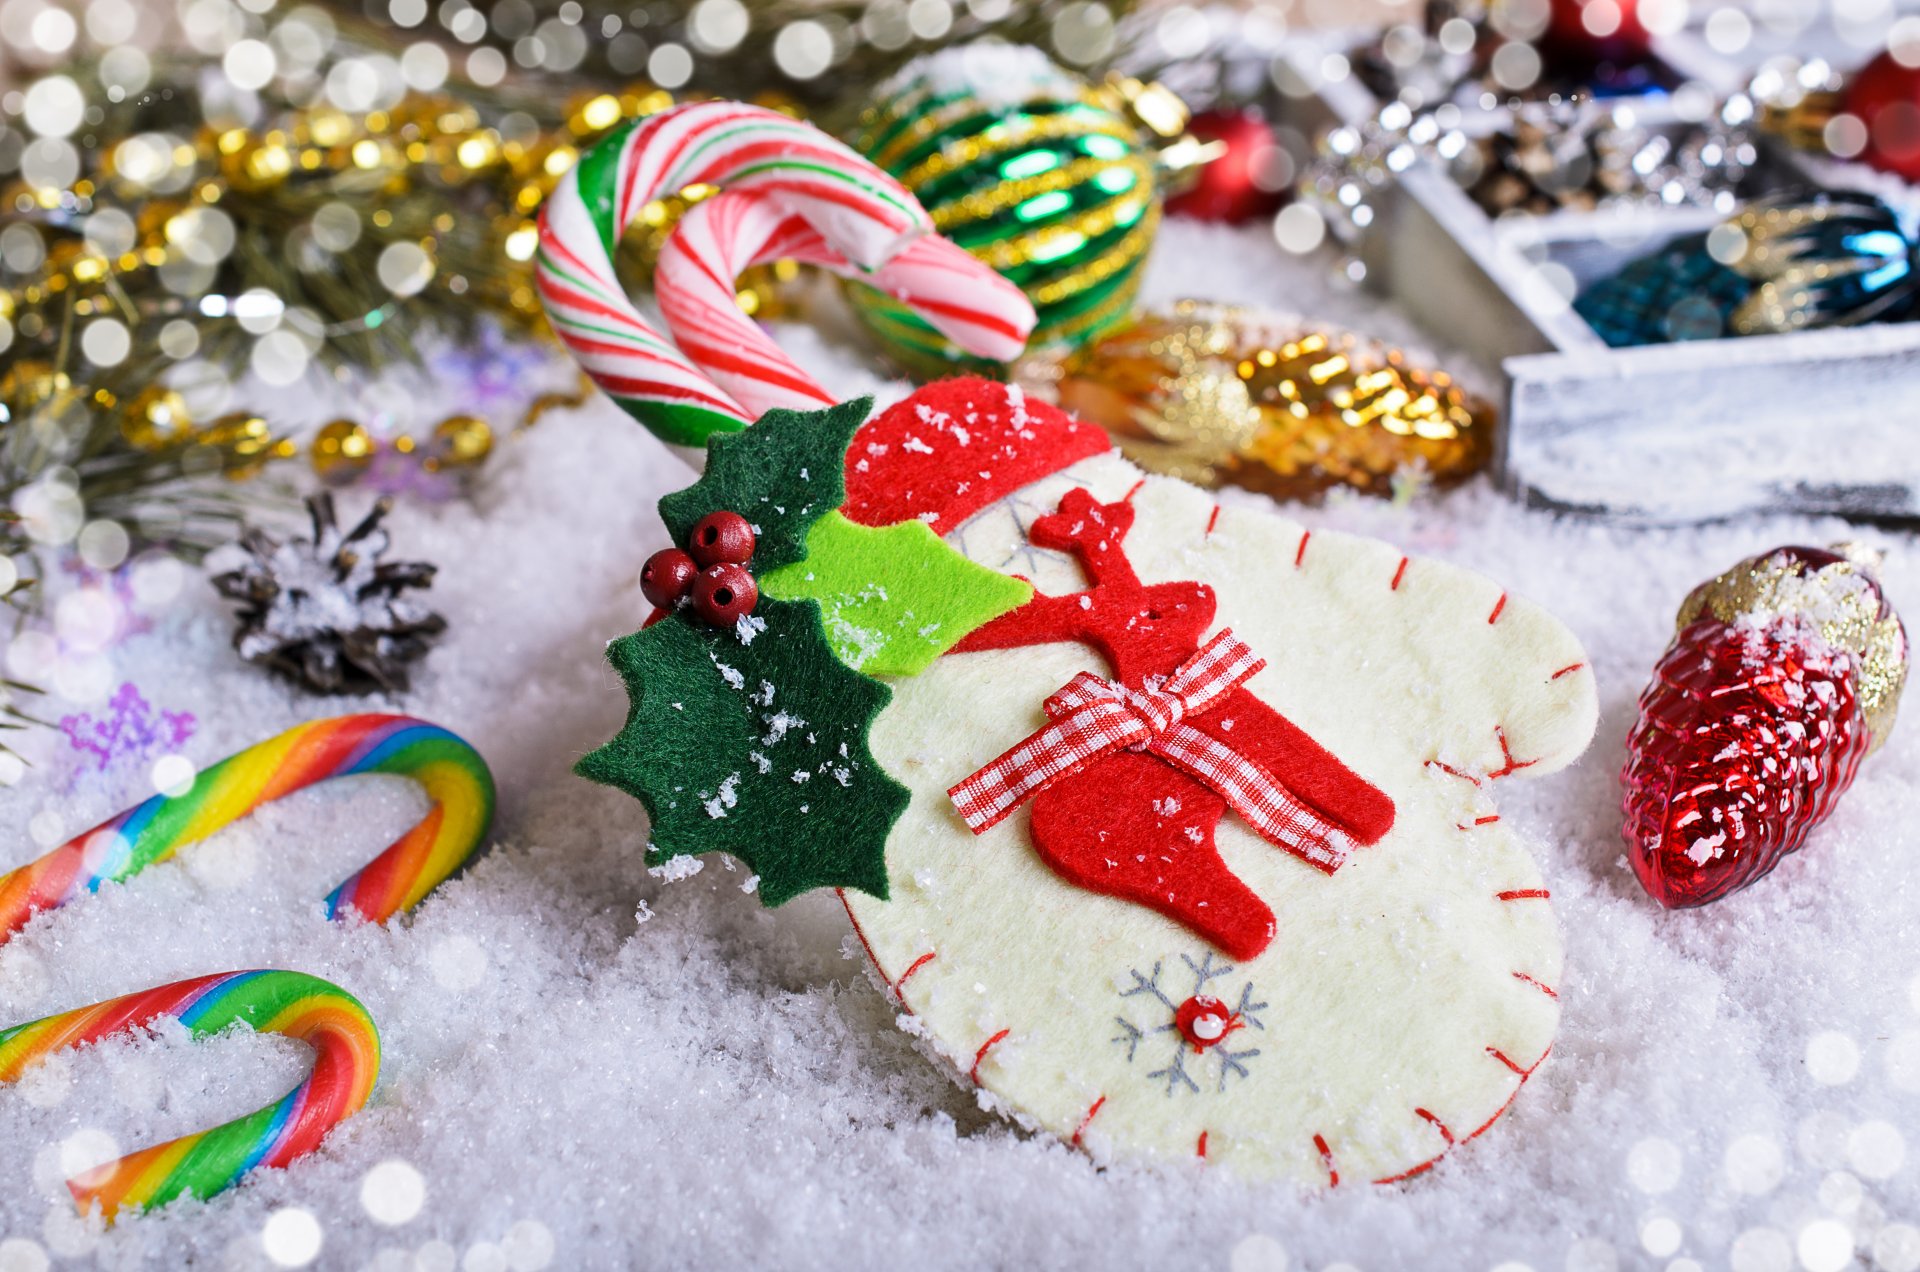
[{"x": 666, "y": 1073}]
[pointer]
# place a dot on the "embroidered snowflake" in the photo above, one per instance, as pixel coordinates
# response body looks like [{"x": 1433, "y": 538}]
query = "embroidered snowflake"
[
  {"x": 1201, "y": 1025},
  {"x": 1022, "y": 508}
]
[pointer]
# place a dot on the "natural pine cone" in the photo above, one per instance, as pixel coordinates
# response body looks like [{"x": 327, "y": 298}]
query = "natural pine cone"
[{"x": 326, "y": 610}]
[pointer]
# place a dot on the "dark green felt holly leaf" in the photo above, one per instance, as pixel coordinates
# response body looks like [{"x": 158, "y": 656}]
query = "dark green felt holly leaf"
[
  {"x": 755, "y": 748},
  {"x": 783, "y": 473}
]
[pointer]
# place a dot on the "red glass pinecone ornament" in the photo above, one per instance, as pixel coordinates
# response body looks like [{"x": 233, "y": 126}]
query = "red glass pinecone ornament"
[{"x": 1786, "y": 671}]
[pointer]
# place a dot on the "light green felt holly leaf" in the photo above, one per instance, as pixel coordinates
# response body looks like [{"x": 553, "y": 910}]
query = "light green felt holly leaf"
[
  {"x": 757, "y": 748},
  {"x": 782, "y": 473},
  {"x": 893, "y": 598}
]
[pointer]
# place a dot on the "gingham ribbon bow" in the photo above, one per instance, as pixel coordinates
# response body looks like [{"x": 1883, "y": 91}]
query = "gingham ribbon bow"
[{"x": 1094, "y": 717}]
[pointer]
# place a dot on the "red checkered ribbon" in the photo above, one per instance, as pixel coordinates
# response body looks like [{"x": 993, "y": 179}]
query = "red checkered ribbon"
[{"x": 1094, "y": 717}]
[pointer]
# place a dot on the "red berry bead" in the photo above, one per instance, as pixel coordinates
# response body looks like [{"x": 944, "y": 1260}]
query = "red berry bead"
[
  {"x": 666, "y": 576},
  {"x": 721, "y": 538},
  {"x": 724, "y": 594},
  {"x": 1204, "y": 1021}
]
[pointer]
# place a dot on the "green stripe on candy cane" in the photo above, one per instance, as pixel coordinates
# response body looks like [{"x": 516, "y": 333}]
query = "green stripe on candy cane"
[
  {"x": 598, "y": 178},
  {"x": 860, "y": 211},
  {"x": 677, "y": 425},
  {"x": 644, "y": 374}
]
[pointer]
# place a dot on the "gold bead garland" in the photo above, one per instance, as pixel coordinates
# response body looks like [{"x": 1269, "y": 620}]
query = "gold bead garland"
[
  {"x": 343, "y": 450},
  {"x": 340, "y": 451},
  {"x": 384, "y": 155}
]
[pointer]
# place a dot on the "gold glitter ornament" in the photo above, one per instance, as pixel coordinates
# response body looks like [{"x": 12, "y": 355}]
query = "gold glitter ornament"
[
  {"x": 1838, "y": 594},
  {"x": 1218, "y": 394}
]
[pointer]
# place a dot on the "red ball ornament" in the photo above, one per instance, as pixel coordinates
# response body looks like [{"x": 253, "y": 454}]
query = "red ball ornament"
[
  {"x": 721, "y": 538},
  {"x": 666, "y": 576},
  {"x": 724, "y": 594},
  {"x": 1248, "y": 179},
  {"x": 1582, "y": 34},
  {"x": 1885, "y": 96},
  {"x": 1785, "y": 672}
]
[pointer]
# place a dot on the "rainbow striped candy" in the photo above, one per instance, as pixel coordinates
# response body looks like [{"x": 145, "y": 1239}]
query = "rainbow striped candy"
[
  {"x": 454, "y": 775},
  {"x": 863, "y": 215},
  {"x": 346, "y": 1061},
  {"x": 719, "y": 238}
]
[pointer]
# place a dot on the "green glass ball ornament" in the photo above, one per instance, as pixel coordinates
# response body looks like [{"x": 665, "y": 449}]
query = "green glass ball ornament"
[{"x": 1053, "y": 181}]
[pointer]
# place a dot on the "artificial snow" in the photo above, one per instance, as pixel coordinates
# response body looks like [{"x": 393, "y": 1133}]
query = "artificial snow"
[
  {"x": 993, "y": 73},
  {"x": 591, "y": 1065}
]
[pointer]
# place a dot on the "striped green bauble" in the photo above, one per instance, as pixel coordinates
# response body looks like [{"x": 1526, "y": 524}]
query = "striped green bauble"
[{"x": 1029, "y": 168}]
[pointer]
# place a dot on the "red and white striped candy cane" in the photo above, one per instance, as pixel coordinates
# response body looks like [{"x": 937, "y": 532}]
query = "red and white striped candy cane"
[
  {"x": 721, "y": 238},
  {"x": 859, "y": 213}
]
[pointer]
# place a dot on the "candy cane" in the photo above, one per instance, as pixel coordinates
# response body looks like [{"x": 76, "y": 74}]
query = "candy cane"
[
  {"x": 722, "y": 237},
  {"x": 454, "y": 775},
  {"x": 346, "y": 1060},
  {"x": 863, "y": 215}
]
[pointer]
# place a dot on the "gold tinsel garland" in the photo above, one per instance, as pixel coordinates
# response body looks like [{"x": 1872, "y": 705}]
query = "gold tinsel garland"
[
  {"x": 1216, "y": 394},
  {"x": 433, "y": 145}
]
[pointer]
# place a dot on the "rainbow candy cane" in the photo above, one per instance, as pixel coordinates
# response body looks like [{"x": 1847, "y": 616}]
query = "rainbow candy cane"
[
  {"x": 346, "y": 1061},
  {"x": 863, "y": 217},
  {"x": 454, "y": 775},
  {"x": 722, "y": 237}
]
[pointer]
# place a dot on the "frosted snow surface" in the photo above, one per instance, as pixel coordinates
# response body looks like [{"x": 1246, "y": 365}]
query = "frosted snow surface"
[
  {"x": 994, "y": 74},
  {"x": 590, "y": 1067}
]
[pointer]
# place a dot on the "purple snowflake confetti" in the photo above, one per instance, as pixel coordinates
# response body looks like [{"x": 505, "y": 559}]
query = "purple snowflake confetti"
[{"x": 131, "y": 728}]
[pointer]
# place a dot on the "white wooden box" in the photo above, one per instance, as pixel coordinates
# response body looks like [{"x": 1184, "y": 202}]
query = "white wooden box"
[{"x": 1825, "y": 421}]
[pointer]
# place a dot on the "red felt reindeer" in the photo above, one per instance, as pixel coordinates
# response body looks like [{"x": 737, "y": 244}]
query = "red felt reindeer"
[{"x": 1130, "y": 824}]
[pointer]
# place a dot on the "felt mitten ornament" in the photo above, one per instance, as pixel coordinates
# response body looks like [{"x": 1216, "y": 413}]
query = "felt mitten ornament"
[
  {"x": 1170, "y": 827},
  {"x": 1783, "y": 674}
]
